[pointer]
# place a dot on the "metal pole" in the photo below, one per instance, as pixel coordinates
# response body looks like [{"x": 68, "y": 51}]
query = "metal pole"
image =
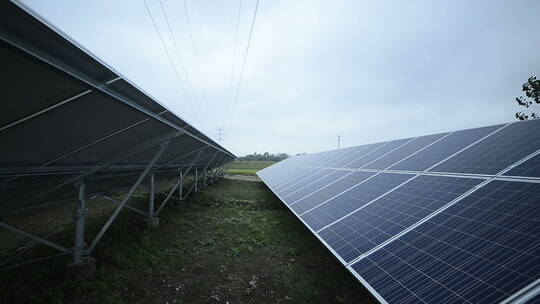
[
  {"x": 180, "y": 188},
  {"x": 195, "y": 181},
  {"x": 80, "y": 216},
  {"x": 151, "y": 195}
]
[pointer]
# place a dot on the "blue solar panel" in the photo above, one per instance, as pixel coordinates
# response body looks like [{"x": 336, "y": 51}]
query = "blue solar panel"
[
  {"x": 352, "y": 199},
  {"x": 331, "y": 190},
  {"x": 291, "y": 184},
  {"x": 314, "y": 186},
  {"x": 370, "y": 226},
  {"x": 396, "y": 230},
  {"x": 382, "y": 148},
  {"x": 403, "y": 151},
  {"x": 362, "y": 151},
  {"x": 497, "y": 151},
  {"x": 482, "y": 249},
  {"x": 443, "y": 149},
  {"x": 530, "y": 168}
]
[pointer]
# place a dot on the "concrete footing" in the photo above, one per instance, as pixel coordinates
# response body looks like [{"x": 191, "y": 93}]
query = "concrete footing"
[
  {"x": 152, "y": 222},
  {"x": 85, "y": 268}
]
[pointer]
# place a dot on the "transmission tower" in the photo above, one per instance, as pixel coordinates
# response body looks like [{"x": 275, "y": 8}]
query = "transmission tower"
[{"x": 220, "y": 134}]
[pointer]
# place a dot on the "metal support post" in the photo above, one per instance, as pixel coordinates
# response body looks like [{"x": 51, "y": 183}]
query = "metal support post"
[
  {"x": 196, "y": 181},
  {"x": 180, "y": 188},
  {"x": 194, "y": 185},
  {"x": 81, "y": 265},
  {"x": 151, "y": 220},
  {"x": 151, "y": 195},
  {"x": 79, "y": 218}
]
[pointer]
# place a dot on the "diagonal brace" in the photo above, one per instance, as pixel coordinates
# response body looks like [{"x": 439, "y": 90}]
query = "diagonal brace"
[{"x": 127, "y": 197}]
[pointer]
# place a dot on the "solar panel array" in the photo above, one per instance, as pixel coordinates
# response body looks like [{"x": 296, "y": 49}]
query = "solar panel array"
[
  {"x": 67, "y": 116},
  {"x": 444, "y": 218}
]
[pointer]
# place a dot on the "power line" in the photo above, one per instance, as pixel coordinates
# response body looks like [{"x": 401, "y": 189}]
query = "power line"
[
  {"x": 244, "y": 62},
  {"x": 179, "y": 56},
  {"x": 195, "y": 51},
  {"x": 234, "y": 54},
  {"x": 170, "y": 60}
]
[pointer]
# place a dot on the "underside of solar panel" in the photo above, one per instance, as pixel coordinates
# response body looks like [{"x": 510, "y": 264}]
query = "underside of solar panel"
[
  {"x": 68, "y": 117},
  {"x": 71, "y": 127},
  {"x": 443, "y": 218}
]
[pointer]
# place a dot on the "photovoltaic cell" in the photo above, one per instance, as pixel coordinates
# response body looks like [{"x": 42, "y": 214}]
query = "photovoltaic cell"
[
  {"x": 289, "y": 180},
  {"x": 306, "y": 179},
  {"x": 360, "y": 152},
  {"x": 497, "y": 151},
  {"x": 380, "y": 151},
  {"x": 482, "y": 249},
  {"x": 352, "y": 199},
  {"x": 529, "y": 168},
  {"x": 403, "y": 151},
  {"x": 372, "y": 225},
  {"x": 443, "y": 149},
  {"x": 312, "y": 187},
  {"x": 331, "y": 190}
]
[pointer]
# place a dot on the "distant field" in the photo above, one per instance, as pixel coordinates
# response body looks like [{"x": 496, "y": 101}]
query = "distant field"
[{"x": 248, "y": 167}]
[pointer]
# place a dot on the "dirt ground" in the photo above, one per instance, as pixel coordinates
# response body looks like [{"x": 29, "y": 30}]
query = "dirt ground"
[{"x": 232, "y": 243}]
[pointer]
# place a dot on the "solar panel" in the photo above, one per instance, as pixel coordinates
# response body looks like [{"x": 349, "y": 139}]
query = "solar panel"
[
  {"x": 496, "y": 152},
  {"x": 335, "y": 188},
  {"x": 308, "y": 188},
  {"x": 529, "y": 168},
  {"x": 482, "y": 249},
  {"x": 384, "y": 218},
  {"x": 71, "y": 115},
  {"x": 381, "y": 150},
  {"x": 404, "y": 151},
  {"x": 352, "y": 199},
  {"x": 444, "y": 148},
  {"x": 444, "y": 218}
]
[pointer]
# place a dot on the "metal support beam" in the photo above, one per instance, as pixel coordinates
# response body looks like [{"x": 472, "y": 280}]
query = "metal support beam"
[
  {"x": 79, "y": 218},
  {"x": 34, "y": 237},
  {"x": 127, "y": 197},
  {"x": 140, "y": 148},
  {"x": 169, "y": 195},
  {"x": 125, "y": 206}
]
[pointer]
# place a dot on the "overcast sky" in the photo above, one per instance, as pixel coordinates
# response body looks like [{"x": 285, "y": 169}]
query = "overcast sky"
[{"x": 367, "y": 70}]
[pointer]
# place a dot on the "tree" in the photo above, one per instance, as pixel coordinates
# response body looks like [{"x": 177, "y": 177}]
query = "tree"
[{"x": 532, "y": 96}]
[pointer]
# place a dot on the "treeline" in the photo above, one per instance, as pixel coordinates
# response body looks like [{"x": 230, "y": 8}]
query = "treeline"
[{"x": 264, "y": 157}]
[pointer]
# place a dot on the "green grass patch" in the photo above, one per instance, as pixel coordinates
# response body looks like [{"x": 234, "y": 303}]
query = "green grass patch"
[
  {"x": 233, "y": 242},
  {"x": 248, "y": 167}
]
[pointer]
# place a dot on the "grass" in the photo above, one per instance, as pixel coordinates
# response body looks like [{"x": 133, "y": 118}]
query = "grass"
[
  {"x": 232, "y": 243},
  {"x": 248, "y": 167}
]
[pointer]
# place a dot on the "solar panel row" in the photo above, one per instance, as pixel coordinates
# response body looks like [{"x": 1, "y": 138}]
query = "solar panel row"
[
  {"x": 67, "y": 116},
  {"x": 444, "y": 218}
]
